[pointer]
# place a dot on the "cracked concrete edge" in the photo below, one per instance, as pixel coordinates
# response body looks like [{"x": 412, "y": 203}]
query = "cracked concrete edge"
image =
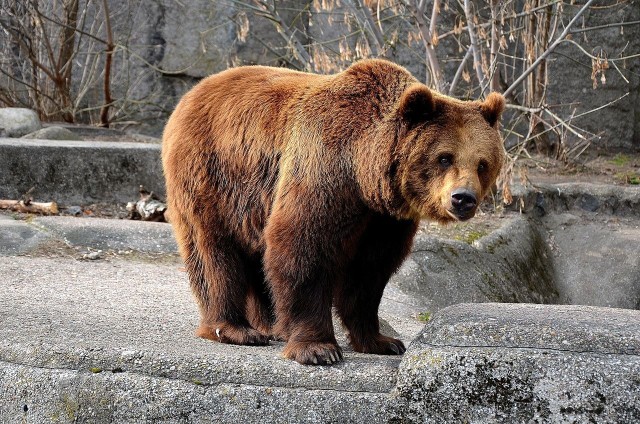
[
  {"x": 70, "y": 396},
  {"x": 574, "y": 328},
  {"x": 223, "y": 365},
  {"x": 488, "y": 385},
  {"x": 541, "y": 199}
]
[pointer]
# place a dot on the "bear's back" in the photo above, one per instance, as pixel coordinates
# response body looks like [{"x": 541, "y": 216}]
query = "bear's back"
[{"x": 222, "y": 146}]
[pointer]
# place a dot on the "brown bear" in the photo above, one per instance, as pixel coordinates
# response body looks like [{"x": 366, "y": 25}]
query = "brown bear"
[{"x": 290, "y": 193}]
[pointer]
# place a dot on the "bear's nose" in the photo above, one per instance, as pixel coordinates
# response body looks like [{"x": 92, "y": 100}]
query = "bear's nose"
[{"x": 464, "y": 202}]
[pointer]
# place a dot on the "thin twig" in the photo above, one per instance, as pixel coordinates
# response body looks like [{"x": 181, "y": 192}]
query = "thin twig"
[
  {"x": 494, "y": 77},
  {"x": 459, "y": 71},
  {"x": 104, "y": 112},
  {"x": 594, "y": 28},
  {"x": 475, "y": 43},
  {"x": 418, "y": 9},
  {"x": 371, "y": 25}
]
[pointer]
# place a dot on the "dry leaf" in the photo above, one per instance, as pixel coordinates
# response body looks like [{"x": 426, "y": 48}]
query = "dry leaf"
[{"x": 466, "y": 76}]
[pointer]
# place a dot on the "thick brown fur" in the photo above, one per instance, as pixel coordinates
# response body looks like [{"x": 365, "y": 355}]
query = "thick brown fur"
[{"x": 290, "y": 193}]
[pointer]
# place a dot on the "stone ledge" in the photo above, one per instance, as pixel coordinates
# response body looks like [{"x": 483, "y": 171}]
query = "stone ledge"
[
  {"x": 542, "y": 199},
  {"x": 78, "y": 172},
  {"x": 517, "y": 363},
  {"x": 70, "y": 396}
]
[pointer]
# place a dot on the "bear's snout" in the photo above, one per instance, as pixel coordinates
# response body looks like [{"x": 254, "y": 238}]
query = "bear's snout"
[{"x": 463, "y": 203}]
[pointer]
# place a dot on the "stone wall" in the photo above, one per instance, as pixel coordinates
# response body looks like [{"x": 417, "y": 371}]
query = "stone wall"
[{"x": 200, "y": 37}]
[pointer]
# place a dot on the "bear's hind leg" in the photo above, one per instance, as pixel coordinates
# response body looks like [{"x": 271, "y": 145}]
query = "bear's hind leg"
[
  {"x": 219, "y": 278},
  {"x": 381, "y": 250}
]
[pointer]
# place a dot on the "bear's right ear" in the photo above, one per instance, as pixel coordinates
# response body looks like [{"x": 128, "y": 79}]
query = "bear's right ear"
[
  {"x": 416, "y": 104},
  {"x": 492, "y": 108}
]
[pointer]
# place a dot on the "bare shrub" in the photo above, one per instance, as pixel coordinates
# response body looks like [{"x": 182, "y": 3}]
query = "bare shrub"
[{"x": 61, "y": 58}]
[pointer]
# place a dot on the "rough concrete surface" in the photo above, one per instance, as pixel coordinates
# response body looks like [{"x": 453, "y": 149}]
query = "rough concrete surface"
[
  {"x": 596, "y": 262},
  {"x": 72, "y": 172},
  {"x": 109, "y": 234},
  {"x": 542, "y": 199},
  {"x": 62, "y": 321},
  {"x": 17, "y": 237},
  {"x": 524, "y": 363}
]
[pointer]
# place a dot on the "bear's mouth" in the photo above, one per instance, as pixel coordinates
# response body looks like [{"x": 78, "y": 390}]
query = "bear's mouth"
[{"x": 461, "y": 216}]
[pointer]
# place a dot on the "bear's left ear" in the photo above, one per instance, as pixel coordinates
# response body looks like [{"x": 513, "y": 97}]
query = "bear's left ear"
[
  {"x": 492, "y": 108},
  {"x": 416, "y": 104}
]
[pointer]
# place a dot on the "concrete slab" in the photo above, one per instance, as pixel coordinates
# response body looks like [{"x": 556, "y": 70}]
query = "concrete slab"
[
  {"x": 542, "y": 199},
  {"x": 596, "y": 262},
  {"x": 110, "y": 234},
  {"x": 78, "y": 172}
]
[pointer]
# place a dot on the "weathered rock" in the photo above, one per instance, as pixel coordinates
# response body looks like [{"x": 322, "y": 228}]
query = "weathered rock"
[
  {"x": 52, "y": 133},
  {"x": 16, "y": 122},
  {"x": 80, "y": 396},
  {"x": 512, "y": 264},
  {"x": 523, "y": 363}
]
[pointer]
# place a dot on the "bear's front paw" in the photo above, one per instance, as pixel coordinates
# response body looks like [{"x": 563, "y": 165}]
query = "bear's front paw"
[
  {"x": 232, "y": 334},
  {"x": 381, "y": 345},
  {"x": 313, "y": 353}
]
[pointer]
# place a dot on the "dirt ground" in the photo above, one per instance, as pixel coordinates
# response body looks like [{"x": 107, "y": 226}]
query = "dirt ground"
[{"x": 597, "y": 166}]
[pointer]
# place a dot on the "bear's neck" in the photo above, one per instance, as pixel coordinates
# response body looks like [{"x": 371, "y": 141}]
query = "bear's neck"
[{"x": 377, "y": 162}]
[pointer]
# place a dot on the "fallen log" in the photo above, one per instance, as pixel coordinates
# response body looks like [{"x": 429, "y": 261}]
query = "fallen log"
[{"x": 50, "y": 208}]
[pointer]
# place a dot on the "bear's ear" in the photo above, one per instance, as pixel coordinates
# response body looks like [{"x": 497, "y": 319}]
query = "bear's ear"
[
  {"x": 492, "y": 108},
  {"x": 416, "y": 104}
]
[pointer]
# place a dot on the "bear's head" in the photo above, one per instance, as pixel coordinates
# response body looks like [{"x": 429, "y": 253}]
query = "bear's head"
[{"x": 451, "y": 152}]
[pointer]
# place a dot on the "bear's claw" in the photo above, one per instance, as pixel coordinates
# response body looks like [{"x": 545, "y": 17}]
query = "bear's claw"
[
  {"x": 381, "y": 345},
  {"x": 232, "y": 334},
  {"x": 313, "y": 353}
]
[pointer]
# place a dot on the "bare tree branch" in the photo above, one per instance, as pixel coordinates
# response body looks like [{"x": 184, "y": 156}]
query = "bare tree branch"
[
  {"x": 417, "y": 8},
  {"x": 550, "y": 50},
  {"x": 475, "y": 44},
  {"x": 104, "y": 112}
]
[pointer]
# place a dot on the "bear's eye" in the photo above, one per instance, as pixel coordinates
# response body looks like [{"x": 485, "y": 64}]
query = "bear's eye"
[
  {"x": 445, "y": 161},
  {"x": 482, "y": 167}
]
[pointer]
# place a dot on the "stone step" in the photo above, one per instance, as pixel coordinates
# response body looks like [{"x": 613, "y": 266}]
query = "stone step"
[{"x": 79, "y": 172}]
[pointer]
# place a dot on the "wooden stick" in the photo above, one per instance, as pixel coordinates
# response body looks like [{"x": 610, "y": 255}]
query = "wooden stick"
[{"x": 50, "y": 208}]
